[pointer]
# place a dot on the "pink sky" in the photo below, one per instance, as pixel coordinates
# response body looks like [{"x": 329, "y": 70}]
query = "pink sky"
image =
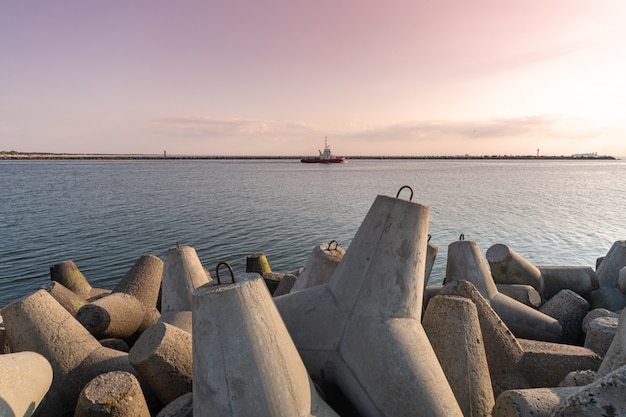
[{"x": 274, "y": 77}]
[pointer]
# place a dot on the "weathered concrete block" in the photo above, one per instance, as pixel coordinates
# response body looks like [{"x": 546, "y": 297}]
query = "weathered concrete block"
[
  {"x": 600, "y": 334},
  {"x": 546, "y": 364},
  {"x": 580, "y": 279},
  {"x": 537, "y": 402},
  {"x": 615, "y": 356},
  {"x": 285, "y": 286},
  {"x": 465, "y": 262},
  {"x": 452, "y": 326},
  {"x": 180, "y": 319},
  {"x": 508, "y": 267},
  {"x": 182, "y": 274},
  {"x": 254, "y": 367},
  {"x": 180, "y": 407},
  {"x": 273, "y": 279},
  {"x": 504, "y": 353},
  {"x": 431, "y": 254},
  {"x": 358, "y": 330},
  {"x": 143, "y": 281},
  {"x": 71, "y": 301},
  {"x": 614, "y": 260},
  {"x": 525, "y": 294},
  {"x": 320, "y": 266},
  {"x": 114, "y": 394},
  {"x": 578, "y": 378},
  {"x": 621, "y": 280},
  {"x": 610, "y": 298},
  {"x": 117, "y": 344},
  {"x": 68, "y": 274},
  {"x": 429, "y": 292},
  {"x": 603, "y": 397},
  {"x": 40, "y": 324},
  {"x": 569, "y": 309},
  {"x": 163, "y": 357},
  {"x": 594, "y": 314},
  {"x": 116, "y": 315},
  {"x": 257, "y": 262},
  {"x": 25, "y": 378}
]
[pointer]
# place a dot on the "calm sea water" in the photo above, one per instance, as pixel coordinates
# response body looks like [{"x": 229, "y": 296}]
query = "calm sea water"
[{"x": 104, "y": 215}]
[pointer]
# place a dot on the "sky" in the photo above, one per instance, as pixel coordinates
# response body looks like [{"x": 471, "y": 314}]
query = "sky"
[{"x": 277, "y": 77}]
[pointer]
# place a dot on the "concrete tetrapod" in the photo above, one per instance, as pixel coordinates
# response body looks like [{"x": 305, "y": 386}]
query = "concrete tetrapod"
[
  {"x": 68, "y": 274},
  {"x": 616, "y": 354},
  {"x": 453, "y": 328},
  {"x": 362, "y": 330},
  {"x": 508, "y": 267},
  {"x": 580, "y": 279},
  {"x": 320, "y": 266},
  {"x": 114, "y": 394},
  {"x": 569, "y": 309},
  {"x": 180, "y": 407},
  {"x": 602, "y": 398},
  {"x": 25, "y": 378},
  {"x": 257, "y": 262},
  {"x": 615, "y": 259},
  {"x": 245, "y": 363},
  {"x": 503, "y": 351},
  {"x": 143, "y": 281},
  {"x": 525, "y": 294},
  {"x": 162, "y": 355},
  {"x": 40, "y": 324},
  {"x": 465, "y": 262},
  {"x": 71, "y": 301},
  {"x": 182, "y": 274},
  {"x": 116, "y": 315},
  {"x": 431, "y": 254}
]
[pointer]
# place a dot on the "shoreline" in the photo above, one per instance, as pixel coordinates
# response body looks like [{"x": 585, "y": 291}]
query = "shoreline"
[{"x": 70, "y": 156}]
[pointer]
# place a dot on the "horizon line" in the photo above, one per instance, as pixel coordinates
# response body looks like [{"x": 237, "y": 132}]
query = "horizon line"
[{"x": 67, "y": 155}]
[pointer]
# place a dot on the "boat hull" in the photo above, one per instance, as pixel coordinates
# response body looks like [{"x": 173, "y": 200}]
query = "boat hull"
[{"x": 340, "y": 160}]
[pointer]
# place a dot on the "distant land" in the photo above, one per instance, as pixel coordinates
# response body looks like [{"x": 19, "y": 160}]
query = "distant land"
[{"x": 16, "y": 155}]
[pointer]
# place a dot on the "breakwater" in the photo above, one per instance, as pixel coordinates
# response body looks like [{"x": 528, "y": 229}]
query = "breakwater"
[
  {"x": 372, "y": 335},
  {"x": 70, "y": 156}
]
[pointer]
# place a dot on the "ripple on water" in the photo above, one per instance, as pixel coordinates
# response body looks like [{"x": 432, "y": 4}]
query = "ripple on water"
[{"x": 104, "y": 215}]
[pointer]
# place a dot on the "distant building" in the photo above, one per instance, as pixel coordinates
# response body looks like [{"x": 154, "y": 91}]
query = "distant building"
[{"x": 586, "y": 155}]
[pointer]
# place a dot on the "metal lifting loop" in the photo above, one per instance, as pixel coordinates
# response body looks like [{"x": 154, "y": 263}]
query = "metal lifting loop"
[
  {"x": 217, "y": 272},
  {"x": 330, "y": 243},
  {"x": 429, "y": 236},
  {"x": 462, "y": 237},
  {"x": 402, "y": 188}
]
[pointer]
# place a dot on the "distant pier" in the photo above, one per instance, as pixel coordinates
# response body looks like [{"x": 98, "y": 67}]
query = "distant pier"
[{"x": 12, "y": 155}]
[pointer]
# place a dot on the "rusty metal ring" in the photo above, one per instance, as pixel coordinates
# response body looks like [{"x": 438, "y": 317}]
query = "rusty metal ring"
[
  {"x": 402, "y": 188},
  {"x": 330, "y": 243},
  {"x": 230, "y": 269}
]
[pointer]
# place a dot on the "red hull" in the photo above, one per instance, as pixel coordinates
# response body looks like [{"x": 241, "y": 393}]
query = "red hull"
[{"x": 340, "y": 160}]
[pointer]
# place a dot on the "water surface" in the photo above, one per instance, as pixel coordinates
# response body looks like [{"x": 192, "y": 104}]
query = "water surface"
[{"x": 104, "y": 215}]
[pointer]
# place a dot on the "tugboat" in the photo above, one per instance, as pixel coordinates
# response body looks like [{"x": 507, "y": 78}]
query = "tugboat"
[{"x": 325, "y": 157}]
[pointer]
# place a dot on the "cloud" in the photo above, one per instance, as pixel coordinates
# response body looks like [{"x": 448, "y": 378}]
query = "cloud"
[
  {"x": 503, "y": 135},
  {"x": 207, "y": 127},
  {"x": 533, "y": 57},
  {"x": 478, "y": 129}
]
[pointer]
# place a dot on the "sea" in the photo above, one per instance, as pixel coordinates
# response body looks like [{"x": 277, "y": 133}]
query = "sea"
[{"x": 106, "y": 214}]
